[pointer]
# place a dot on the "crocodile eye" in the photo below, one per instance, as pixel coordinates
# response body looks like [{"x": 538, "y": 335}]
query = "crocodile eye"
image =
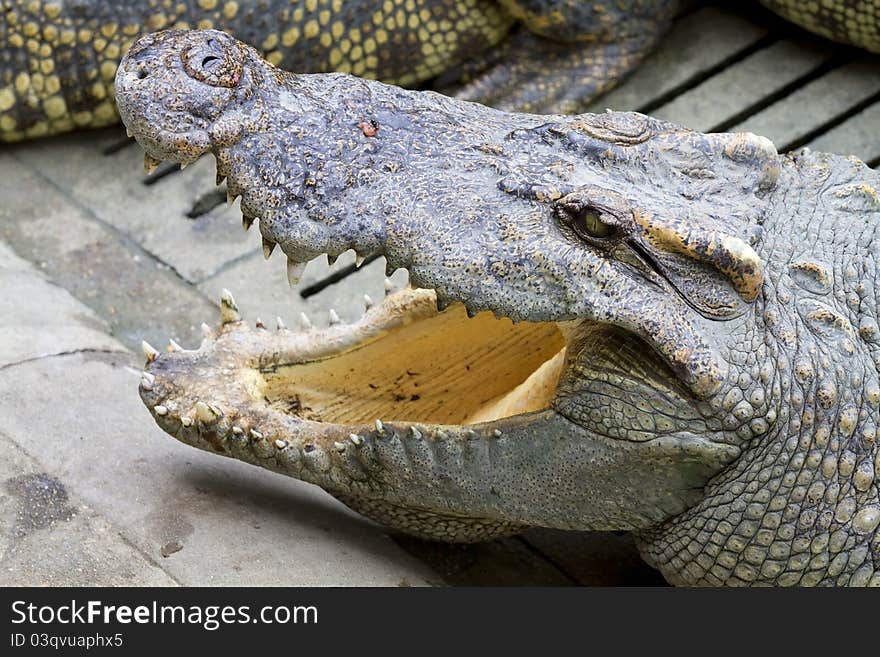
[{"x": 588, "y": 223}]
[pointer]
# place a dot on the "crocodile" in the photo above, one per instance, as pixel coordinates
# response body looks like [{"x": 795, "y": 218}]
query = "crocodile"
[
  {"x": 613, "y": 322},
  {"x": 58, "y": 58}
]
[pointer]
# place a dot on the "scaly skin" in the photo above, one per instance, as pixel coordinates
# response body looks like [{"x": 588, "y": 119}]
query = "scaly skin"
[
  {"x": 686, "y": 342},
  {"x": 855, "y": 22},
  {"x": 58, "y": 58}
]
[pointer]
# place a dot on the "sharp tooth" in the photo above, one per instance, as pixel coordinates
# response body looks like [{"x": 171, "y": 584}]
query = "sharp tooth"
[
  {"x": 228, "y": 310},
  {"x": 268, "y": 247},
  {"x": 186, "y": 421},
  {"x": 280, "y": 444},
  {"x": 184, "y": 165},
  {"x": 220, "y": 178},
  {"x": 304, "y": 321},
  {"x": 380, "y": 428},
  {"x": 247, "y": 221},
  {"x": 230, "y": 198},
  {"x": 147, "y": 380},
  {"x": 160, "y": 410},
  {"x": 334, "y": 318},
  {"x": 150, "y": 163},
  {"x": 129, "y": 133},
  {"x": 256, "y": 435},
  {"x": 206, "y": 330},
  {"x": 415, "y": 433},
  {"x": 259, "y": 323},
  {"x": 174, "y": 346},
  {"x": 368, "y": 301},
  {"x": 294, "y": 272},
  {"x": 331, "y": 260},
  {"x": 358, "y": 260},
  {"x": 150, "y": 353},
  {"x": 204, "y": 412},
  {"x": 279, "y": 323},
  {"x": 355, "y": 439},
  {"x": 388, "y": 286},
  {"x": 497, "y": 433}
]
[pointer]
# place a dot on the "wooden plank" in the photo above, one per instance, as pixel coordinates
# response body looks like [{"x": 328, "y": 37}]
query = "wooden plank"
[
  {"x": 859, "y": 136},
  {"x": 698, "y": 43},
  {"x": 817, "y": 103},
  {"x": 731, "y": 92}
]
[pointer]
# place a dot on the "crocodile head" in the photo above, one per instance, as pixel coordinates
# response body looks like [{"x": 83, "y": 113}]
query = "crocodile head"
[{"x": 576, "y": 285}]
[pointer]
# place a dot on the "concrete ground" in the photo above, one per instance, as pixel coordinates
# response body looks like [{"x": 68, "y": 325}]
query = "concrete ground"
[{"x": 95, "y": 257}]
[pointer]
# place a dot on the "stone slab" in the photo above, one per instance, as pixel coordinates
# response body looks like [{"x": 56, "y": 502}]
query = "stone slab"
[
  {"x": 38, "y": 318},
  {"x": 221, "y": 522},
  {"x": 49, "y": 537}
]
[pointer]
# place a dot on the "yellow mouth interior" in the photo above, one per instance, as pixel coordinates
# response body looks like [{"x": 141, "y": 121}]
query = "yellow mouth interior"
[{"x": 444, "y": 369}]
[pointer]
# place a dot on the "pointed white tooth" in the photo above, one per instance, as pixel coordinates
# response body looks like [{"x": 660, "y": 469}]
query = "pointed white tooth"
[
  {"x": 415, "y": 433},
  {"x": 184, "y": 165},
  {"x": 129, "y": 133},
  {"x": 334, "y": 318},
  {"x": 174, "y": 346},
  {"x": 280, "y": 444},
  {"x": 219, "y": 178},
  {"x": 268, "y": 247},
  {"x": 160, "y": 410},
  {"x": 228, "y": 310},
  {"x": 368, "y": 301},
  {"x": 206, "y": 330},
  {"x": 304, "y": 321},
  {"x": 247, "y": 221},
  {"x": 147, "y": 380},
  {"x": 259, "y": 323},
  {"x": 237, "y": 430},
  {"x": 279, "y": 323},
  {"x": 358, "y": 260},
  {"x": 230, "y": 198},
  {"x": 355, "y": 439},
  {"x": 204, "y": 412},
  {"x": 388, "y": 285},
  {"x": 331, "y": 260},
  {"x": 339, "y": 447},
  {"x": 380, "y": 428},
  {"x": 149, "y": 352},
  {"x": 186, "y": 421},
  {"x": 150, "y": 163},
  {"x": 256, "y": 435},
  {"x": 294, "y": 272}
]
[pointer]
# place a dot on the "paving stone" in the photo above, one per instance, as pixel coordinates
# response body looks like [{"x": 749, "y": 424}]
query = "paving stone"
[
  {"x": 859, "y": 135},
  {"x": 40, "y": 319},
  {"x": 234, "y": 524},
  {"x": 136, "y": 295},
  {"x": 154, "y": 216},
  {"x": 817, "y": 103},
  {"x": 742, "y": 86},
  {"x": 49, "y": 537},
  {"x": 595, "y": 558},
  {"x": 695, "y": 44}
]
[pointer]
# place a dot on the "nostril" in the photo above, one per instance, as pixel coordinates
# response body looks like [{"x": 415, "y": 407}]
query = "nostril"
[{"x": 210, "y": 59}]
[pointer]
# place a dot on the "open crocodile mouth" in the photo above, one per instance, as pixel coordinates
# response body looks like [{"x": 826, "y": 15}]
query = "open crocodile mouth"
[
  {"x": 443, "y": 368},
  {"x": 403, "y": 362}
]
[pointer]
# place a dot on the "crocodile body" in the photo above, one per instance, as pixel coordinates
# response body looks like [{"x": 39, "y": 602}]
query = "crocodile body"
[
  {"x": 615, "y": 322},
  {"x": 58, "y": 58}
]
